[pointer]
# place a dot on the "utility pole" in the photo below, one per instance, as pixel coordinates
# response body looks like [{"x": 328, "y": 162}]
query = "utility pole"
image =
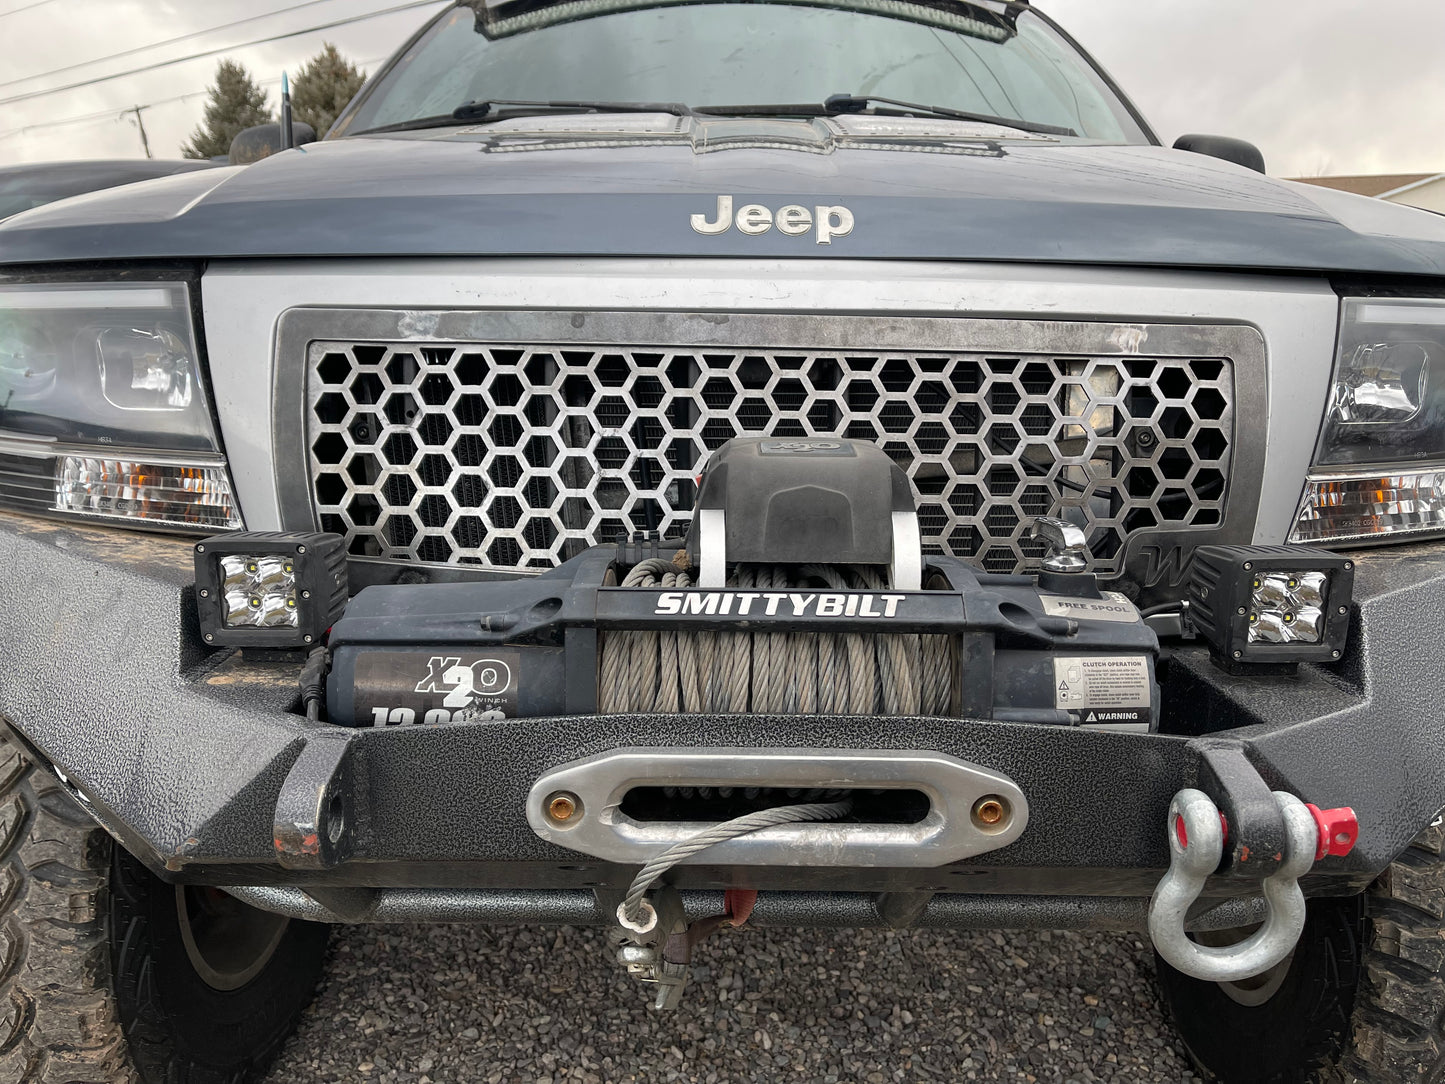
[{"x": 141, "y": 124}]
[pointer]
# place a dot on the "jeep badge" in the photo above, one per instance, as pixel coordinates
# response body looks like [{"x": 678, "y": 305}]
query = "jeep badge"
[{"x": 793, "y": 220}]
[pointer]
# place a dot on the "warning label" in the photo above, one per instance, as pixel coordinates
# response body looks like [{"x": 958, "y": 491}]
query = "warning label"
[
  {"x": 1104, "y": 689},
  {"x": 1112, "y": 607}
]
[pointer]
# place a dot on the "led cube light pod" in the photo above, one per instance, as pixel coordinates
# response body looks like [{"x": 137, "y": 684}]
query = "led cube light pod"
[
  {"x": 270, "y": 588},
  {"x": 1271, "y": 604}
]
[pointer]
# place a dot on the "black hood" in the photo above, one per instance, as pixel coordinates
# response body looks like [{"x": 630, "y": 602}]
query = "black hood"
[{"x": 629, "y": 186}]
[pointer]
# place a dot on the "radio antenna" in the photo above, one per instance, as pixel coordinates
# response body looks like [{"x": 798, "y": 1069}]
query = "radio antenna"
[{"x": 288, "y": 137}]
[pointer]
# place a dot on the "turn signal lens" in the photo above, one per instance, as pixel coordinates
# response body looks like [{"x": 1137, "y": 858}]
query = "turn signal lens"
[
  {"x": 159, "y": 494},
  {"x": 1362, "y": 507}
]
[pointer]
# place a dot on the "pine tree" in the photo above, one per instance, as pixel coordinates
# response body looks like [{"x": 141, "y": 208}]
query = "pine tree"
[
  {"x": 322, "y": 88},
  {"x": 236, "y": 102}
]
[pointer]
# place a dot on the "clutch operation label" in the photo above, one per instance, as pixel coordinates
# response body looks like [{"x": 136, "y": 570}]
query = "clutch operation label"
[
  {"x": 1112, "y": 607},
  {"x": 1103, "y": 689}
]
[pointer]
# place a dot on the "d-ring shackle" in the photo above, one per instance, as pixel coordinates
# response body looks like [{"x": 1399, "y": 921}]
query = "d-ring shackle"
[{"x": 1196, "y": 844}]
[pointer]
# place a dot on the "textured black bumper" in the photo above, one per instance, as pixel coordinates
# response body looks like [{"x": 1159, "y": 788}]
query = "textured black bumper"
[{"x": 185, "y": 755}]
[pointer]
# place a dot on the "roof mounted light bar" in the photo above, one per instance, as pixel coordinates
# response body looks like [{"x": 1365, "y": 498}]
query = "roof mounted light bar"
[{"x": 532, "y": 16}]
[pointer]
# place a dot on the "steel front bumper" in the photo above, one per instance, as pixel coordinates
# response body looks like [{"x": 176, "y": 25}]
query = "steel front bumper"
[{"x": 200, "y": 765}]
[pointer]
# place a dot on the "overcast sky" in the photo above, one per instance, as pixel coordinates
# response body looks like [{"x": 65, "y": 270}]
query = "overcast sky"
[{"x": 1323, "y": 86}]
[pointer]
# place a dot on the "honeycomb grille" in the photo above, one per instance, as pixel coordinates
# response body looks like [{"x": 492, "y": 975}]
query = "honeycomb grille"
[{"x": 521, "y": 455}]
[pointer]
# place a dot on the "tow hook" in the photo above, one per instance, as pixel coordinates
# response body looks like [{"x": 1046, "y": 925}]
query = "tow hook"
[
  {"x": 1197, "y": 832},
  {"x": 655, "y": 940},
  {"x": 658, "y": 948},
  {"x": 642, "y": 944}
]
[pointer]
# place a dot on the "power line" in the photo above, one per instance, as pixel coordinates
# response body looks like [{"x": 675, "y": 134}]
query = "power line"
[
  {"x": 216, "y": 52},
  {"x": 162, "y": 44},
  {"x": 114, "y": 114},
  {"x": 105, "y": 114},
  {"x": 101, "y": 114},
  {"x": 118, "y": 114},
  {"x": 27, "y": 7}
]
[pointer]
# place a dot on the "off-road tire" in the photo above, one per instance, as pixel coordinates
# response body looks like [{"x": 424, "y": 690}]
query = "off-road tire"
[
  {"x": 95, "y": 986},
  {"x": 1363, "y": 1001}
]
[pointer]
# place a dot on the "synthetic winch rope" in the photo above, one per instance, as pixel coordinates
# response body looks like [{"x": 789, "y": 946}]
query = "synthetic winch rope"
[
  {"x": 793, "y": 673},
  {"x": 721, "y": 833}
]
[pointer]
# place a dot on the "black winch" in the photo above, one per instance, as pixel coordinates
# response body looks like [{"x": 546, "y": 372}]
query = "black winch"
[{"x": 801, "y": 588}]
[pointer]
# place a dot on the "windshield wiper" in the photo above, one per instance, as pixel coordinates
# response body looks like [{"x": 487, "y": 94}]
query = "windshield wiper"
[
  {"x": 851, "y": 103},
  {"x": 481, "y": 110},
  {"x": 505, "y": 108},
  {"x": 857, "y": 103}
]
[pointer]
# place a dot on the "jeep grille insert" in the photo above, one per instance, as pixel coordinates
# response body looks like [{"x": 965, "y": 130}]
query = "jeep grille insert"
[{"x": 518, "y": 455}]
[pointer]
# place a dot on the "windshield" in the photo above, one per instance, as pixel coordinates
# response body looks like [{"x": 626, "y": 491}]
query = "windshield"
[{"x": 713, "y": 55}]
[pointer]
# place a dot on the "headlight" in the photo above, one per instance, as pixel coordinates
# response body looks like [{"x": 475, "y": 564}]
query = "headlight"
[
  {"x": 1380, "y": 464},
  {"x": 103, "y": 411}
]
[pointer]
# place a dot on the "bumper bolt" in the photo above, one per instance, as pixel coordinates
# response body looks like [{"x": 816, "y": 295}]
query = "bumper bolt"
[
  {"x": 990, "y": 811},
  {"x": 562, "y": 807}
]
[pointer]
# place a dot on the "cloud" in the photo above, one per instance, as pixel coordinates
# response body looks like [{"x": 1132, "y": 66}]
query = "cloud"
[{"x": 1322, "y": 86}]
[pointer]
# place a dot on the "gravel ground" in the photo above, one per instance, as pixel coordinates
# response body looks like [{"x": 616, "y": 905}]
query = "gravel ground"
[{"x": 421, "y": 1004}]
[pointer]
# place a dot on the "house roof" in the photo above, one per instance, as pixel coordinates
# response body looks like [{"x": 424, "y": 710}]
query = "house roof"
[{"x": 1378, "y": 184}]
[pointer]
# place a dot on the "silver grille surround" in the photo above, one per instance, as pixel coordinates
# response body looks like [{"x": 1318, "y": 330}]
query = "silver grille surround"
[{"x": 513, "y": 440}]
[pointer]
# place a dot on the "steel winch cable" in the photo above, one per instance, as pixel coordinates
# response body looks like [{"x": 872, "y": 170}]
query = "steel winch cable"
[
  {"x": 792, "y": 673},
  {"x": 721, "y": 833}
]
